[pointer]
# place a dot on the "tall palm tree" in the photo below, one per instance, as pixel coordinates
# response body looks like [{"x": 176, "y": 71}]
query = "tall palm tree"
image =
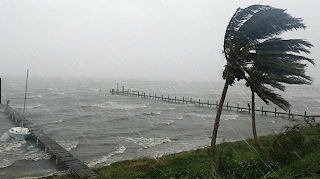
[{"x": 252, "y": 51}]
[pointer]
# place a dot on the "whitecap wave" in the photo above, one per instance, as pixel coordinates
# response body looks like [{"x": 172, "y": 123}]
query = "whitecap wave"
[
  {"x": 178, "y": 118},
  {"x": 103, "y": 159},
  {"x": 20, "y": 152},
  {"x": 6, "y": 147},
  {"x": 148, "y": 142},
  {"x": 5, "y": 163},
  {"x": 201, "y": 115},
  {"x": 60, "y": 94},
  {"x": 5, "y": 137},
  {"x": 153, "y": 112},
  {"x": 167, "y": 122},
  {"x": 31, "y": 107},
  {"x": 35, "y": 154},
  {"x": 68, "y": 145},
  {"x": 54, "y": 122},
  {"x": 229, "y": 117},
  {"x": 116, "y": 105}
]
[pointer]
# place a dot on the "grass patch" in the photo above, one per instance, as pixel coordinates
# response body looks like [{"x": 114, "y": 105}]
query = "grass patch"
[{"x": 295, "y": 153}]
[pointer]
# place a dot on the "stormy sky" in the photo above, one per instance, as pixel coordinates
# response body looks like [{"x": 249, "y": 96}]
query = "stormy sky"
[{"x": 130, "y": 39}]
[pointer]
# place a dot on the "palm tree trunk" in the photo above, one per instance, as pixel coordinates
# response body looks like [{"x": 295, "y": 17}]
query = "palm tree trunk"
[
  {"x": 253, "y": 115},
  {"x": 215, "y": 129}
]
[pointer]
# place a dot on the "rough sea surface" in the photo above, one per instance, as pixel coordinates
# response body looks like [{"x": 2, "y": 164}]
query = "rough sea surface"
[{"x": 100, "y": 128}]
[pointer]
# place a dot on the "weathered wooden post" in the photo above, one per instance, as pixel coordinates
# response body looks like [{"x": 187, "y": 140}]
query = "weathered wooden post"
[
  {"x": 208, "y": 103},
  {"x": 168, "y": 98},
  {"x": 155, "y": 96},
  {"x": 175, "y": 99},
  {"x": 199, "y": 102},
  {"x": 122, "y": 90},
  {"x": 249, "y": 108},
  {"x": 190, "y": 100},
  {"x": 237, "y": 107},
  {"x": 117, "y": 88},
  {"x": 305, "y": 115},
  {"x": 275, "y": 112},
  {"x": 227, "y": 105},
  {"x": 162, "y": 96},
  {"x": 216, "y": 104},
  {"x": 289, "y": 113},
  {"x": 182, "y": 100},
  {"x": 144, "y": 95}
]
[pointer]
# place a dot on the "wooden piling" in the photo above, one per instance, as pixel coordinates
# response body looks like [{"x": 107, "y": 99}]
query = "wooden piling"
[
  {"x": 289, "y": 113},
  {"x": 305, "y": 115}
]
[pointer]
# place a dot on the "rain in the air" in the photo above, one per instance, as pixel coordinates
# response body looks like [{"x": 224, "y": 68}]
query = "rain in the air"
[{"x": 159, "y": 89}]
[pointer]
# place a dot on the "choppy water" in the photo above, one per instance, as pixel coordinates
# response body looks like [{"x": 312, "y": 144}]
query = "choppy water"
[{"x": 100, "y": 128}]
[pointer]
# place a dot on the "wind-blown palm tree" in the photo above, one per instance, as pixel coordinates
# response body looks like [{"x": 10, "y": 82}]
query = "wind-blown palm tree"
[{"x": 255, "y": 53}]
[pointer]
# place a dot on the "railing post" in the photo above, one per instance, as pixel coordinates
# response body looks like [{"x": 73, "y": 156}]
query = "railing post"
[
  {"x": 275, "y": 112},
  {"x": 175, "y": 99},
  {"x": 289, "y": 113},
  {"x": 305, "y": 115},
  {"x": 237, "y": 107},
  {"x": 168, "y": 98},
  {"x": 199, "y": 102},
  {"x": 216, "y": 104},
  {"x": 208, "y": 104},
  {"x": 182, "y": 100},
  {"x": 227, "y": 105},
  {"x": 261, "y": 110}
]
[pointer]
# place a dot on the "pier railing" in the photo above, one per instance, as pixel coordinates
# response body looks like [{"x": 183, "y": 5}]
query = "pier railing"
[{"x": 208, "y": 104}]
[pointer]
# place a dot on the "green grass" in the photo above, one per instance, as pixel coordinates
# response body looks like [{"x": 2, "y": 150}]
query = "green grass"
[{"x": 292, "y": 154}]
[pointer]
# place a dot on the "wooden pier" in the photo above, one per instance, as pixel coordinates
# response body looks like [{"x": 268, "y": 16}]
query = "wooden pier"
[
  {"x": 207, "y": 103},
  {"x": 61, "y": 155}
]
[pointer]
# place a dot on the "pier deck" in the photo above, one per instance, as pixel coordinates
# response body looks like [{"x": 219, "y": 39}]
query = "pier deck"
[{"x": 62, "y": 156}]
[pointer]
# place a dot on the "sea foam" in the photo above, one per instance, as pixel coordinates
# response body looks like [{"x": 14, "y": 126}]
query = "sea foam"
[{"x": 104, "y": 159}]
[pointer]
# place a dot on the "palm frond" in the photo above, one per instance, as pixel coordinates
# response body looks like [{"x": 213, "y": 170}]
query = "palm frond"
[
  {"x": 269, "y": 23},
  {"x": 280, "y": 45}
]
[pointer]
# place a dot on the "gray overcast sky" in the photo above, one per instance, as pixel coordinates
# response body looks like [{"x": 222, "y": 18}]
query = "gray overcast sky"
[{"x": 140, "y": 39}]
